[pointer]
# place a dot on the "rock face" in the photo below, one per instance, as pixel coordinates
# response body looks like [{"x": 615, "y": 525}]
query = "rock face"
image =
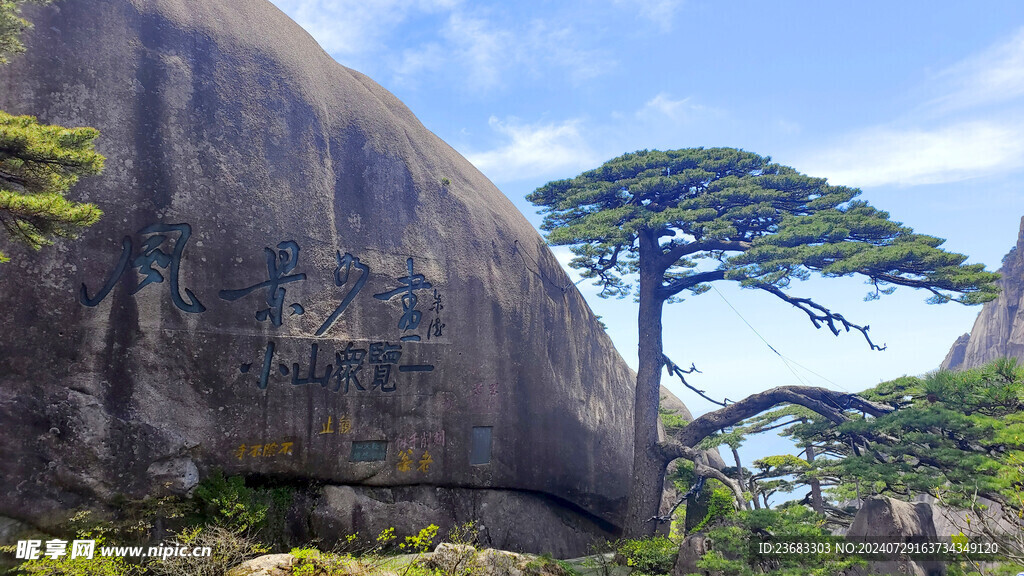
[
  {"x": 692, "y": 548},
  {"x": 269, "y": 565},
  {"x": 885, "y": 520},
  {"x": 999, "y": 329},
  {"x": 293, "y": 280},
  {"x": 504, "y": 519}
]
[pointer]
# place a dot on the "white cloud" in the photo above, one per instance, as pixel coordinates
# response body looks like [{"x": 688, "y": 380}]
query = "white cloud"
[
  {"x": 428, "y": 58},
  {"x": 880, "y": 156},
  {"x": 996, "y": 75},
  {"x": 559, "y": 48},
  {"x": 348, "y": 27},
  {"x": 470, "y": 44},
  {"x": 956, "y": 135},
  {"x": 534, "y": 150},
  {"x": 663, "y": 106},
  {"x": 485, "y": 56},
  {"x": 660, "y": 12},
  {"x": 479, "y": 48}
]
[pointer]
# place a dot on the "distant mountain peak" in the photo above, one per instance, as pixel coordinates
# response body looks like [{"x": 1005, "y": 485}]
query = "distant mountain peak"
[{"x": 999, "y": 329}]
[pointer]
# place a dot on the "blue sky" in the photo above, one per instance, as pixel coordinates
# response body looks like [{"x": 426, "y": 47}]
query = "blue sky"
[{"x": 919, "y": 104}]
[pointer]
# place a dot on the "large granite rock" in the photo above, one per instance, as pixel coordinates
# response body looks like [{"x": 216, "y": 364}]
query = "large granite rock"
[
  {"x": 691, "y": 550},
  {"x": 517, "y": 521},
  {"x": 268, "y": 565},
  {"x": 999, "y": 329},
  {"x": 293, "y": 279},
  {"x": 885, "y": 520}
]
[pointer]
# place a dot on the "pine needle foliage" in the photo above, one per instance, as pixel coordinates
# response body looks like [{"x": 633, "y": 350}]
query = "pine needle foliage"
[
  {"x": 756, "y": 222},
  {"x": 11, "y": 27},
  {"x": 40, "y": 163},
  {"x": 959, "y": 433}
]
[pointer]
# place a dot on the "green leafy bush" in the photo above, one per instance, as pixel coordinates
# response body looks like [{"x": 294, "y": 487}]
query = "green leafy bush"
[
  {"x": 227, "y": 501},
  {"x": 420, "y": 543},
  {"x": 230, "y": 503},
  {"x": 313, "y": 562},
  {"x": 466, "y": 533},
  {"x": 655, "y": 555},
  {"x": 735, "y": 545},
  {"x": 720, "y": 507},
  {"x": 229, "y": 548}
]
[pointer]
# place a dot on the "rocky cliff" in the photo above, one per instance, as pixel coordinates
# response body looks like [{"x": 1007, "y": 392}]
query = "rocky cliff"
[
  {"x": 999, "y": 329},
  {"x": 293, "y": 280}
]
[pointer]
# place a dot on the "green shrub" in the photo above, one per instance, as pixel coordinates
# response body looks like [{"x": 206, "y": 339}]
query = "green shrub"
[
  {"x": 655, "y": 555},
  {"x": 720, "y": 508},
  {"x": 313, "y": 562},
  {"x": 228, "y": 502},
  {"x": 422, "y": 542},
  {"x": 735, "y": 545},
  {"x": 466, "y": 533},
  {"x": 229, "y": 547},
  {"x": 671, "y": 420}
]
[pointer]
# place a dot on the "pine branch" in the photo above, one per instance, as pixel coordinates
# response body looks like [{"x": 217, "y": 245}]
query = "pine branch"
[
  {"x": 678, "y": 285},
  {"x": 819, "y": 315},
  {"x": 828, "y": 403},
  {"x": 675, "y": 370}
]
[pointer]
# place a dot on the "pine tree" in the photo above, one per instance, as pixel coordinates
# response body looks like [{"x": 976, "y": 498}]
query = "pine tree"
[
  {"x": 958, "y": 436},
  {"x": 682, "y": 219},
  {"x": 40, "y": 163}
]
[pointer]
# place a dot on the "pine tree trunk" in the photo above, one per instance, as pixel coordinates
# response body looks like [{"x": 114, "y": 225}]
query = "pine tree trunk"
[
  {"x": 648, "y": 464},
  {"x": 816, "y": 501},
  {"x": 739, "y": 469}
]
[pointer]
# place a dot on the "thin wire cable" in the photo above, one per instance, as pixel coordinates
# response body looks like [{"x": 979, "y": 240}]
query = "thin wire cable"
[{"x": 785, "y": 359}]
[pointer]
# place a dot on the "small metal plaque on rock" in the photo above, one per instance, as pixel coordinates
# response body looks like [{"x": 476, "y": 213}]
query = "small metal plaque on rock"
[{"x": 369, "y": 451}]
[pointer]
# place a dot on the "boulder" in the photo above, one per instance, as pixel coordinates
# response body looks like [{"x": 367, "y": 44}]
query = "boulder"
[
  {"x": 692, "y": 548},
  {"x": 293, "y": 279},
  {"x": 453, "y": 559},
  {"x": 999, "y": 328},
  {"x": 883, "y": 519},
  {"x": 598, "y": 565},
  {"x": 268, "y": 565},
  {"x": 500, "y": 563}
]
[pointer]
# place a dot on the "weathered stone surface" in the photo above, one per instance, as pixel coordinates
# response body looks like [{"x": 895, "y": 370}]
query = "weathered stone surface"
[
  {"x": 268, "y": 565},
  {"x": 464, "y": 559},
  {"x": 241, "y": 155},
  {"x": 953, "y": 521},
  {"x": 692, "y": 548},
  {"x": 500, "y": 563},
  {"x": 175, "y": 476},
  {"x": 452, "y": 558},
  {"x": 598, "y": 565},
  {"x": 505, "y": 519},
  {"x": 883, "y": 519},
  {"x": 11, "y": 530},
  {"x": 999, "y": 329}
]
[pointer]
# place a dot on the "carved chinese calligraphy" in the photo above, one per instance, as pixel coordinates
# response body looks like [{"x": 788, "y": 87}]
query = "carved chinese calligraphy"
[{"x": 360, "y": 367}]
